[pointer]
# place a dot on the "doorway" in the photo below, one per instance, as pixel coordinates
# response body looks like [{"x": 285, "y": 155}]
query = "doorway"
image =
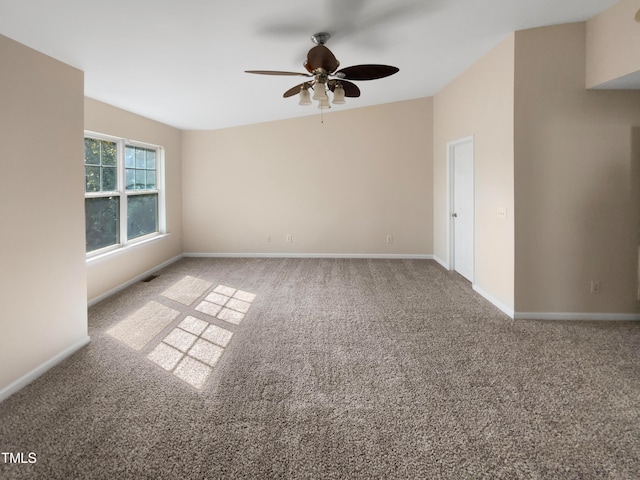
[{"x": 462, "y": 206}]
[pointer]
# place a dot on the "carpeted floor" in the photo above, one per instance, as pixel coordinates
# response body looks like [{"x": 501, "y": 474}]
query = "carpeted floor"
[{"x": 336, "y": 369}]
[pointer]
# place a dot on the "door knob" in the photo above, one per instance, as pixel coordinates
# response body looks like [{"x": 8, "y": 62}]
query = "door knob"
[{"x": 454, "y": 215}]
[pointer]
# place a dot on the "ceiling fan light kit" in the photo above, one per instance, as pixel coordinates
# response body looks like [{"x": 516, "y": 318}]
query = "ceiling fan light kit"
[
  {"x": 324, "y": 103},
  {"x": 305, "y": 96},
  {"x": 319, "y": 92},
  {"x": 338, "y": 95},
  {"x": 321, "y": 66}
]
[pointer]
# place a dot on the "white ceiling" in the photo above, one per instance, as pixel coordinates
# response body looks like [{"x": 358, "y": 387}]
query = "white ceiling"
[{"x": 182, "y": 62}]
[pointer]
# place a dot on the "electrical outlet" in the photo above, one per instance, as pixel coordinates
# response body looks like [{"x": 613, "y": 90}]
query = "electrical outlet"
[
  {"x": 595, "y": 287},
  {"x": 389, "y": 238},
  {"x": 289, "y": 238}
]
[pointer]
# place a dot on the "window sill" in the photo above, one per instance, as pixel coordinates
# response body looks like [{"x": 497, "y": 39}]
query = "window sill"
[{"x": 126, "y": 248}]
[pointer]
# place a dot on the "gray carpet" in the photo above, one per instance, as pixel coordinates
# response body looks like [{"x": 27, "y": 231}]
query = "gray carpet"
[{"x": 339, "y": 369}]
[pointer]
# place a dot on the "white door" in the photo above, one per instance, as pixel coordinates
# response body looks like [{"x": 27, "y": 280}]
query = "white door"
[{"x": 462, "y": 207}]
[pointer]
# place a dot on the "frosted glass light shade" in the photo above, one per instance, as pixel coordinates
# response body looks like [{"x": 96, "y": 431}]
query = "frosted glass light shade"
[
  {"x": 305, "y": 97},
  {"x": 318, "y": 91},
  {"x": 324, "y": 103}
]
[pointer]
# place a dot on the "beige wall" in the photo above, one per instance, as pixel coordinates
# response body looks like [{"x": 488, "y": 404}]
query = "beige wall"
[
  {"x": 43, "y": 283},
  {"x": 613, "y": 41},
  {"x": 480, "y": 103},
  {"x": 338, "y": 187},
  {"x": 112, "y": 271},
  {"x": 576, "y": 216}
]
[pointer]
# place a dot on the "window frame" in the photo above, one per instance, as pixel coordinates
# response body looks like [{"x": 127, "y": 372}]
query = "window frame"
[{"x": 123, "y": 194}]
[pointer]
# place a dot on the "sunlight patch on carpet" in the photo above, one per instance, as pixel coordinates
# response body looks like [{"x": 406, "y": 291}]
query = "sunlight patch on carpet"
[
  {"x": 193, "y": 325},
  {"x": 217, "y": 298},
  {"x": 227, "y": 304},
  {"x": 139, "y": 328},
  {"x": 230, "y": 316},
  {"x": 217, "y": 335},
  {"x": 180, "y": 339},
  {"x": 224, "y": 290},
  {"x": 165, "y": 356},
  {"x": 238, "y": 305},
  {"x": 187, "y": 290},
  {"x": 191, "y": 356},
  {"x": 193, "y": 348},
  {"x": 208, "y": 308},
  {"x": 244, "y": 296},
  {"x": 193, "y": 372},
  {"x": 206, "y": 352}
]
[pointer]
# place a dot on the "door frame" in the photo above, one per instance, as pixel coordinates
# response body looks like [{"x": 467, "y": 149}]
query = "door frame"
[{"x": 450, "y": 201}]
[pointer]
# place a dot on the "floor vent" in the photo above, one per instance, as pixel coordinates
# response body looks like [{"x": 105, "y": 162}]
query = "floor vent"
[{"x": 149, "y": 278}]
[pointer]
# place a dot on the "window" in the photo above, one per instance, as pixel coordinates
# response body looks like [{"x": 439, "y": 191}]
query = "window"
[{"x": 123, "y": 192}]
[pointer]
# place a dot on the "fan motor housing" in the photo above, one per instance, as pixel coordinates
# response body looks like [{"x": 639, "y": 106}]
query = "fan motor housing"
[{"x": 320, "y": 38}]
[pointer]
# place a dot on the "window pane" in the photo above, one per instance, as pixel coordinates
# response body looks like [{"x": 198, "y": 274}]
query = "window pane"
[
  {"x": 92, "y": 179},
  {"x": 100, "y": 158},
  {"x": 142, "y": 213},
  {"x": 101, "y": 216},
  {"x": 109, "y": 179},
  {"x": 130, "y": 157},
  {"x": 140, "y": 160},
  {"x": 141, "y": 180},
  {"x": 131, "y": 179},
  {"x": 109, "y": 153},
  {"x": 151, "y": 179},
  {"x": 91, "y": 151},
  {"x": 151, "y": 160},
  {"x": 141, "y": 165}
]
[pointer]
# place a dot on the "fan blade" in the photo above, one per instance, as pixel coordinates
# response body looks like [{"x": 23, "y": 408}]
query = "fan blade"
[
  {"x": 350, "y": 89},
  {"x": 295, "y": 90},
  {"x": 321, "y": 57},
  {"x": 366, "y": 72},
  {"x": 274, "y": 72}
]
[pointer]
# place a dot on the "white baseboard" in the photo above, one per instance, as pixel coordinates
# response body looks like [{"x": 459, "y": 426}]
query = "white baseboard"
[
  {"x": 509, "y": 311},
  {"x": 23, "y": 381},
  {"x": 561, "y": 316},
  {"x": 136, "y": 279},
  {"x": 441, "y": 262},
  {"x": 614, "y": 317},
  {"x": 391, "y": 256}
]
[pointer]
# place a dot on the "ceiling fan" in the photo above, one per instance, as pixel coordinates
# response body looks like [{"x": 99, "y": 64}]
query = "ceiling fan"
[{"x": 324, "y": 76}]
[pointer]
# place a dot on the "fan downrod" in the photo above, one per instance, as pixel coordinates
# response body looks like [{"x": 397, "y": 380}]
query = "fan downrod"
[{"x": 320, "y": 38}]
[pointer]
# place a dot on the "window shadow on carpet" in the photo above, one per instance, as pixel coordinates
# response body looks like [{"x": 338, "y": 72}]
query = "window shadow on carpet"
[{"x": 193, "y": 347}]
